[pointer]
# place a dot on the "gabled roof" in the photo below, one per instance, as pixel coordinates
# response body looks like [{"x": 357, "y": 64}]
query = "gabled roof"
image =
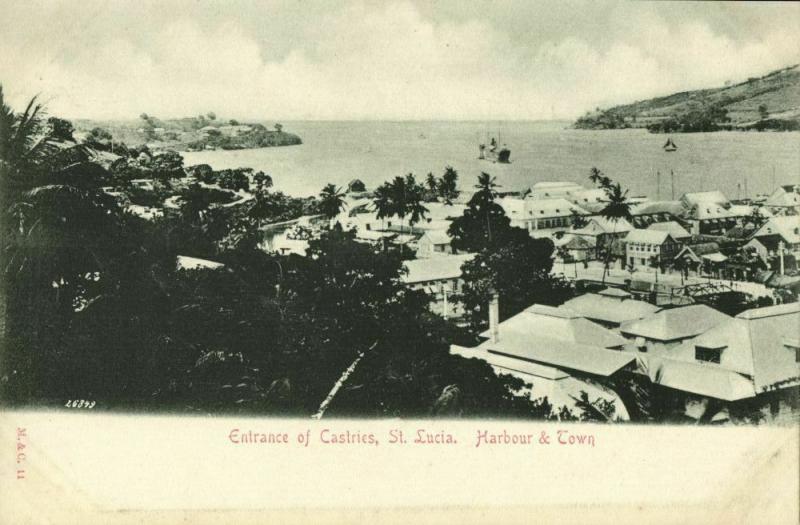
[
  {"x": 600, "y": 225},
  {"x": 787, "y": 227},
  {"x": 675, "y": 323},
  {"x": 673, "y": 228},
  {"x": 704, "y": 211},
  {"x": 573, "y": 242},
  {"x": 696, "y": 251},
  {"x": 654, "y": 207},
  {"x": 759, "y": 343},
  {"x": 435, "y": 269},
  {"x": 437, "y": 237},
  {"x": 603, "y": 307},
  {"x": 784, "y": 196},
  {"x": 557, "y": 323},
  {"x": 648, "y": 236}
]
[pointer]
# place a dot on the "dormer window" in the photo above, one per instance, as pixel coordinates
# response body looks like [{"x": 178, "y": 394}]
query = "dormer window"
[{"x": 708, "y": 354}]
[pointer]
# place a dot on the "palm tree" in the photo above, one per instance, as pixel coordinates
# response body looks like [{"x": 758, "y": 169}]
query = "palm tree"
[
  {"x": 414, "y": 207},
  {"x": 331, "y": 201},
  {"x": 616, "y": 207},
  {"x": 399, "y": 198},
  {"x": 383, "y": 202}
]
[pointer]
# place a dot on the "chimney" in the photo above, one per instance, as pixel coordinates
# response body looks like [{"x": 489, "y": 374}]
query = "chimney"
[{"x": 494, "y": 318}]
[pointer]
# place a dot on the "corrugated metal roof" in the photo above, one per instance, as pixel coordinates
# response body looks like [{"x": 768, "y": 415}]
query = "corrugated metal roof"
[{"x": 648, "y": 236}]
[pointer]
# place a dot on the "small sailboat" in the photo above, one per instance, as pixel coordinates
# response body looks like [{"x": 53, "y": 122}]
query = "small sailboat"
[{"x": 670, "y": 146}]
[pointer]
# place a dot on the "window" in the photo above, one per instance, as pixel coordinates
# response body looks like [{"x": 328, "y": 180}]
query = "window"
[
  {"x": 369, "y": 227},
  {"x": 707, "y": 354}
]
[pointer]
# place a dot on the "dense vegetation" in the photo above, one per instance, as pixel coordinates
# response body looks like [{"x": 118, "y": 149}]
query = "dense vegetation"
[
  {"x": 96, "y": 307},
  {"x": 770, "y": 102}
]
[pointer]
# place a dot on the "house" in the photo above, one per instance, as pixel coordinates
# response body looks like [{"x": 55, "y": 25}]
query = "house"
[
  {"x": 555, "y": 349},
  {"x": 646, "y": 213},
  {"x": 753, "y": 355},
  {"x": 785, "y": 200},
  {"x": 538, "y": 214},
  {"x": 575, "y": 247},
  {"x": 601, "y": 231},
  {"x": 710, "y": 212},
  {"x": 439, "y": 277},
  {"x": 779, "y": 230},
  {"x": 644, "y": 246},
  {"x": 663, "y": 330},
  {"x": 554, "y": 190},
  {"x": 700, "y": 258},
  {"x": 610, "y": 307},
  {"x": 674, "y": 228},
  {"x": 434, "y": 242}
]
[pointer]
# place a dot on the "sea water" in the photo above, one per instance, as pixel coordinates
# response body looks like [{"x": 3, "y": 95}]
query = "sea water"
[{"x": 375, "y": 151}]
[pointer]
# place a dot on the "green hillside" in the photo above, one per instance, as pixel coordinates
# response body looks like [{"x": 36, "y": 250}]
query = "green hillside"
[{"x": 768, "y": 102}]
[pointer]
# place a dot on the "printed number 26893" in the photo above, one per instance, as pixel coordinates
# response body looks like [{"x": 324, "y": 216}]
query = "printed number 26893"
[{"x": 79, "y": 403}]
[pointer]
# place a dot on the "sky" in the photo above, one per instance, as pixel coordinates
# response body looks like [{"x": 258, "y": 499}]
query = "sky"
[{"x": 399, "y": 60}]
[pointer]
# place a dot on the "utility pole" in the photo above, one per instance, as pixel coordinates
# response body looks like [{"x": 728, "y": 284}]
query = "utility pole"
[
  {"x": 444, "y": 294},
  {"x": 781, "y": 246}
]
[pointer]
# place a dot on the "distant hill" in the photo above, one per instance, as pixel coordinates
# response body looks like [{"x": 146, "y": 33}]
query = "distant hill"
[{"x": 768, "y": 102}]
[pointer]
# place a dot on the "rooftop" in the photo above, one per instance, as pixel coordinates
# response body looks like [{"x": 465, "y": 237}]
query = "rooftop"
[
  {"x": 787, "y": 227},
  {"x": 600, "y": 225},
  {"x": 648, "y": 236},
  {"x": 435, "y": 269},
  {"x": 675, "y": 323},
  {"x": 673, "y": 228},
  {"x": 608, "y": 308}
]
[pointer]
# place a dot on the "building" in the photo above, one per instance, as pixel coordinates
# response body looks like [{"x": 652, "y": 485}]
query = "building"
[
  {"x": 784, "y": 201},
  {"x": 700, "y": 258},
  {"x": 642, "y": 247},
  {"x": 601, "y": 232},
  {"x": 646, "y": 213},
  {"x": 574, "y": 247},
  {"x": 555, "y": 190},
  {"x": 610, "y": 307},
  {"x": 439, "y": 277},
  {"x": 434, "y": 242},
  {"x": 663, "y": 330},
  {"x": 555, "y": 349},
  {"x": 540, "y": 214},
  {"x": 779, "y": 230},
  {"x": 675, "y": 230},
  {"x": 753, "y": 355}
]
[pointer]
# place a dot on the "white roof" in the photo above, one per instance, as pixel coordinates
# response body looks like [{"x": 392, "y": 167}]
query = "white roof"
[
  {"x": 435, "y": 269},
  {"x": 715, "y": 196},
  {"x": 604, "y": 307},
  {"x": 551, "y": 185},
  {"x": 758, "y": 344},
  {"x": 787, "y": 227},
  {"x": 517, "y": 208},
  {"x": 788, "y": 195},
  {"x": 675, "y": 323},
  {"x": 193, "y": 263},
  {"x": 600, "y": 225},
  {"x": 648, "y": 236},
  {"x": 437, "y": 237},
  {"x": 714, "y": 257},
  {"x": 673, "y": 228}
]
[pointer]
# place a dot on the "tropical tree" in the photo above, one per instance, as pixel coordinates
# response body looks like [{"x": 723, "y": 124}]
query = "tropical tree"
[
  {"x": 448, "y": 185},
  {"x": 415, "y": 209},
  {"x": 331, "y": 201},
  {"x": 483, "y": 223},
  {"x": 431, "y": 183},
  {"x": 616, "y": 207},
  {"x": 399, "y": 199},
  {"x": 384, "y": 207}
]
